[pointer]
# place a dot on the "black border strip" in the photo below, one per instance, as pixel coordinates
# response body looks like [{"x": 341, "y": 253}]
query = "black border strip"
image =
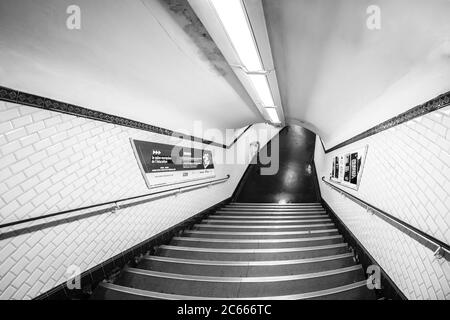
[
  {"x": 437, "y": 103},
  {"x": 239, "y": 136},
  {"x": 131, "y": 257},
  {"x": 15, "y": 96},
  {"x": 389, "y": 289},
  {"x": 423, "y": 238}
]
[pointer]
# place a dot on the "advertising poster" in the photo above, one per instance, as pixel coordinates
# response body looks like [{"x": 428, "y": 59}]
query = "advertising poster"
[
  {"x": 336, "y": 167},
  {"x": 341, "y": 167},
  {"x": 347, "y": 168},
  {"x": 163, "y": 164}
]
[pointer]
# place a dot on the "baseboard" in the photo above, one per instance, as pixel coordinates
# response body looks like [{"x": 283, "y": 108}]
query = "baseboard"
[
  {"x": 92, "y": 277},
  {"x": 389, "y": 289}
]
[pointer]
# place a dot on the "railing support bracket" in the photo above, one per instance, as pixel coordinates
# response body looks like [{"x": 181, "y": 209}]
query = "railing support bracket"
[{"x": 439, "y": 253}]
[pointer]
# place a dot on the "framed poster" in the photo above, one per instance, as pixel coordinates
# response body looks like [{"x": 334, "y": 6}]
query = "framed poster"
[
  {"x": 347, "y": 168},
  {"x": 164, "y": 164}
]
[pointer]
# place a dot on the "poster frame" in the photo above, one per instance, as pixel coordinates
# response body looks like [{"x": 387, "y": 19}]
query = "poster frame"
[
  {"x": 153, "y": 186},
  {"x": 340, "y": 179}
]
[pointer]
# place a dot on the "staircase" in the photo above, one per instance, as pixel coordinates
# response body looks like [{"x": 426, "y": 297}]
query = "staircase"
[{"x": 248, "y": 251}]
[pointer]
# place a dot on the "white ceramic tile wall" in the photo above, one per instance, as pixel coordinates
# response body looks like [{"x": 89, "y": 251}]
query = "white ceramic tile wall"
[
  {"x": 51, "y": 162},
  {"x": 407, "y": 174}
]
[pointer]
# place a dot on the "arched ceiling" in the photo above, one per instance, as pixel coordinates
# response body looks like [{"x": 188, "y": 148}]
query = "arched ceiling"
[
  {"x": 152, "y": 61},
  {"x": 148, "y": 60},
  {"x": 341, "y": 78}
]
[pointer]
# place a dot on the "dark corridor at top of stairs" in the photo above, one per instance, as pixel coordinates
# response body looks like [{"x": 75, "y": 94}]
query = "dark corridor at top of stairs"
[{"x": 295, "y": 181}]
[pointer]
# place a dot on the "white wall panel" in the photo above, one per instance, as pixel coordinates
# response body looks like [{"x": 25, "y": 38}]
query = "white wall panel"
[
  {"x": 407, "y": 174},
  {"x": 51, "y": 162}
]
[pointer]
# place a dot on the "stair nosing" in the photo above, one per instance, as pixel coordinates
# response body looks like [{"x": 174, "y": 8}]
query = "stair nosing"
[
  {"x": 263, "y": 226},
  {"x": 260, "y": 233},
  {"x": 248, "y": 263},
  {"x": 271, "y": 209},
  {"x": 261, "y": 212},
  {"x": 268, "y": 221},
  {"x": 274, "y": 204},
  {"x": 305, "y": 217},
  {"x": 292, "y": 277},
  {"x": 299, "y": 296},
  {"x": 257, "y": 240},
  {"x": 262, "y": 250}
]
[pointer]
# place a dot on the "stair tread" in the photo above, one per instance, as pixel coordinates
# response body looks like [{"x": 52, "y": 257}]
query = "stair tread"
[
  {"x": 199, "y": 249},
  {"x": 265, "y": 221},
  {"x": 132, "y": 293},
  {"x": 274, "y": 233},
  {"x": 242, "y": 279},
  {"x": 249, "y": 263},
  {"x": 248, "y": 251},
  {"x": 246, "y": 268},
  {"x": 267, "y": 217},
  {"x": 262, "y": 226},
  {"x": 257, "y": 240}
]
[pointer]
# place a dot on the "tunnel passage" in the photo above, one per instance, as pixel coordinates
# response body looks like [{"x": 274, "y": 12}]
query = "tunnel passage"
[{"x": 294, "y": 182}]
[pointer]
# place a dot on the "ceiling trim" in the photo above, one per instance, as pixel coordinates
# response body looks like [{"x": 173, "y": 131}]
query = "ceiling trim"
[
  {"x": 434, "y": 104},
  {"x": 19, "y": 97}
]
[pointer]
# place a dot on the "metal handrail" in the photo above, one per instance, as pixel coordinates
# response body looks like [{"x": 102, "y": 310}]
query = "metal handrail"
[
  {"x": 115, "y": 203},
  {"x": 439, "y": 248}
]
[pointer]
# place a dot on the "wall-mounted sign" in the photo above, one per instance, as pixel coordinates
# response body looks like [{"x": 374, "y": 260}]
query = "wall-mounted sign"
[
  {"x": 347, "y": 168},
  {"x": 164, "y": 164}
]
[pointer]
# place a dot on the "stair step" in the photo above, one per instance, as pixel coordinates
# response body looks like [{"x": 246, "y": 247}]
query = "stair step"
[
  {"x": 204, "y": 253},
  {"x": 262, "y": 217},
  {"x": 268, "y": 213},
  {"x": 261, "y": 204},
  {"x": 109, "y": 291},
  {"x": 293, "y": 227},
  {"x": 265, "y": 222},
  {"x": 272, "y": 209},
  {"x": 255, "y": 243},
  {"x": 245, "y": 268},
  {"x": 239, "y": 286},
  {"x": 261, "y": 235}
]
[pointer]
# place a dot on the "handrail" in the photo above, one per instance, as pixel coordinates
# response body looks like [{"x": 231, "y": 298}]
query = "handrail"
[
  {"x": 440, "y": 249},
  {"x": 116, "y": 202}
]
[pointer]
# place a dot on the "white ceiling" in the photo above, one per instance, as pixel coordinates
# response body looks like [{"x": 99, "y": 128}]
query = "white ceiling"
[
  {"x": 149, "y": 61},
  {"x": 138, "y": 59},
  {"x": 342, "y": 78}
]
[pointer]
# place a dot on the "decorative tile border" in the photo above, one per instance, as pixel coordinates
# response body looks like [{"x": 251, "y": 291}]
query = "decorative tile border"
[
  {"x": 437, "y": 103},
  {"x": 15, "y": 96}
]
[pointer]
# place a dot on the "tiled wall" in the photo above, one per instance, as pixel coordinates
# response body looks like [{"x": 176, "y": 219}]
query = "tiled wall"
[
  {"x": 407, "y": 174},
  {"x": 51, "y": 162}
]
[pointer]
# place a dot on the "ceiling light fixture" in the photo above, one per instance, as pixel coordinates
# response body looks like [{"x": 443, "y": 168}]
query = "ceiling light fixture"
[
  {"x": 233, "y": 16},
  {"x": 273, "y": 114},
  {"x": 259, "y": 82}
]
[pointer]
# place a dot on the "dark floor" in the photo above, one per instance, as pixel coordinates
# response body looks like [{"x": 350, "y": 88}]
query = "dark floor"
[{"x": 295, "y": 180}]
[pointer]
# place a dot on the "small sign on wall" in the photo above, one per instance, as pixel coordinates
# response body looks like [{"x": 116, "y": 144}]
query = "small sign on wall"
[
  {"x": 164, "y": 165},
  {"x": 347, "y": 168}
]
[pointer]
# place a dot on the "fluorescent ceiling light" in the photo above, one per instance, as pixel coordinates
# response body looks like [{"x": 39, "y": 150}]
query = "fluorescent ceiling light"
[
  {"x": 234, "y": 19},
  {"x": 261, "y": 86},
  {"x": 273, "y": 115}
]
